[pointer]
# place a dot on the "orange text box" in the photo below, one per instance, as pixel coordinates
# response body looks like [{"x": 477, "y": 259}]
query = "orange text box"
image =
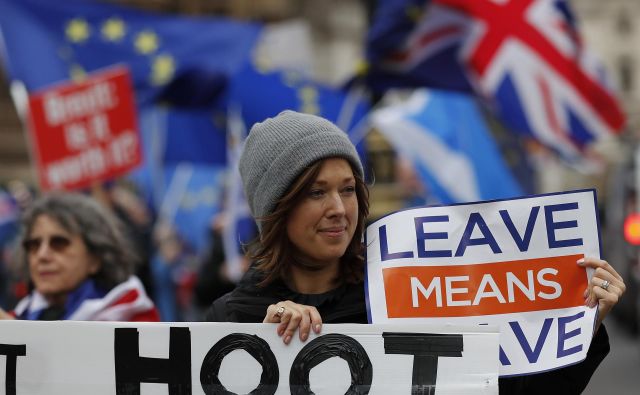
[{"x": 484, "y": 289}]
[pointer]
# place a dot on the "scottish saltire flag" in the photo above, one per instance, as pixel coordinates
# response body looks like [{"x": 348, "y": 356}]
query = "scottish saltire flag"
[
  {"x": 524, "y": 56},
  {"x": 181, "y": 59},
  {"x": 444, "y": 135}
]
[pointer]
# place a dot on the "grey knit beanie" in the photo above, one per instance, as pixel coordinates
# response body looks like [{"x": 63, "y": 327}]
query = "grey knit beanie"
[{"x": 280, "y": 148}]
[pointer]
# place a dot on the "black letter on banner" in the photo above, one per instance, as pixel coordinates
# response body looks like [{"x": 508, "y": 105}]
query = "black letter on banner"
[
  {"x": 132, "y": 369},
  {"x": 12, "y": 351},
  {"x": 256, "y": 347},
  {"x": 323, "y": 348},
  {"x": 425, "y": 348}
]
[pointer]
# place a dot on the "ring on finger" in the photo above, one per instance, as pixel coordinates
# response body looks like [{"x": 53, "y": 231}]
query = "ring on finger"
[
  {"x": 605, "y": 285},
  {"x": 280, "y": 311}
]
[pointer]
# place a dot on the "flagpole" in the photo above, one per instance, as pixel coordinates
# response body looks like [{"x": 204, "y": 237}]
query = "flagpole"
[
  {"x": 20, "y": 97},
  {"x": 175, "y": 191},
  {"x": 237, "y": 134}
]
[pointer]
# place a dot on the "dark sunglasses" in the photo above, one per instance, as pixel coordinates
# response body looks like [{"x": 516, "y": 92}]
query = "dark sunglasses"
[{"x": 56, "y": 243}]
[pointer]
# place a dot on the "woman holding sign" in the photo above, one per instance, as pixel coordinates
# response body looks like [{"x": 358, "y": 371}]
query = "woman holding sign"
[
  {"x": 80, "y": 265},
  {"x": 304, "y": 183}
]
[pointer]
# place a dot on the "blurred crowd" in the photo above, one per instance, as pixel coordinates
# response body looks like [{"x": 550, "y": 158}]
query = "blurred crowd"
[{"x": 181, "y": 281}]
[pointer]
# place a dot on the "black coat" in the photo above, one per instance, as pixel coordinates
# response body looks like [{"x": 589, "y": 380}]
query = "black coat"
[{"x": 346, "y": 304}]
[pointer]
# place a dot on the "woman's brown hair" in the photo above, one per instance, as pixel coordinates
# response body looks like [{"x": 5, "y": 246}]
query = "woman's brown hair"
[{"x": 274, "y": 253}]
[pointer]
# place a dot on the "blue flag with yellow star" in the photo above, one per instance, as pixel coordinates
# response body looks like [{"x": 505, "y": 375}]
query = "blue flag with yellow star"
[
  {"x": 182, "y": 60},
  {"x": 265, "y": 94},
  {"x": 261, "y": 95}
]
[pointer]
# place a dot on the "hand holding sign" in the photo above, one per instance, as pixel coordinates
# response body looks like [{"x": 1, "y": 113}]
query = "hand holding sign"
[
  {"x": 292, "y": 316},
  {"x": 511, "y": 263},
  {"x": 605, "y": 288}
]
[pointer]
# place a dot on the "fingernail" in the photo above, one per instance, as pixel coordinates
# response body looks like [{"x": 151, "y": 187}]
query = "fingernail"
[
  {"x": 585, "y": 293},
  {"x": 287, "y": 339},
  {"x": 280, "y": 331},
  {"x": 304, "y": 336},
  {"x": 580, "y": 261},
  {"x": 317, "y": 328}
]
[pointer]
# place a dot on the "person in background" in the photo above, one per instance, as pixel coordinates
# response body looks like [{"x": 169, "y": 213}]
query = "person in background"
[
  {"x": 214, "y": 279},
  {"x": 123, "y": 201},
  {"x": 80, "y": 265},
  {"x": 9, "y": 215},
  {"x": 172, "y": 269},
  {"x": 304, "y": 183}
]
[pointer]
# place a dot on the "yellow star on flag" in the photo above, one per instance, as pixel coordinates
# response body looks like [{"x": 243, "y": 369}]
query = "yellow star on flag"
[
  {"x": 77, "y": 30},
  {"x": 162, "y": 69},
  {"x": 77, "y": 73},
  {"x": 113, "y": 29},
  {"x": 308, "y": 95},
  {"x": 263, "y": 64},
  {"x": 291, "y": 78},
  {"x": 146, "y": 42}
]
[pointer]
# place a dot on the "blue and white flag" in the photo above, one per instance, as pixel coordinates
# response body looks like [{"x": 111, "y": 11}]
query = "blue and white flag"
[{"x": 444, "y": 135}]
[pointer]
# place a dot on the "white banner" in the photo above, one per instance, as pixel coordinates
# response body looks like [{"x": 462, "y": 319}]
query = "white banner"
[
  {"x": 65, "y": 357},
  {"x": 509, "y": 263}
]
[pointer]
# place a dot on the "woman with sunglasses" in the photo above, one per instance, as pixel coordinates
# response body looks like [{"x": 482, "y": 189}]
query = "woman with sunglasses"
[
  {"x": 80, "y": 264},
  {"x": 304, "y": 184}
]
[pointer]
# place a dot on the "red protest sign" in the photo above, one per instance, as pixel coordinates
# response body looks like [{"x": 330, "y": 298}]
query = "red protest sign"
[{"x": 83, "y": 132}]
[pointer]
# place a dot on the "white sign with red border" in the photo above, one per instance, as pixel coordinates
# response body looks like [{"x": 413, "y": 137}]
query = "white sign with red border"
[{"x": 84, "y": 132}]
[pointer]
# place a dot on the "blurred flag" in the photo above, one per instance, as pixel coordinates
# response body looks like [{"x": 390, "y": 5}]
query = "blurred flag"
[
  {"x": 195, "y": 135},
  {"x": 444, "y": 135},
  {"x": 263, "y": 95},
  {"x": 192, "y": 198},
  {"x": 183, "y": 175},
  {"x": 533, "y": 69},
  {"x": 237, "y": 230},
  {"x": 184, "y": 60},
  {"x": 260, "y": 95}
]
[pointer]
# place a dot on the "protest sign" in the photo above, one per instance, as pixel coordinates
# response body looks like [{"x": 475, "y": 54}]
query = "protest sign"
[
  {"x": 82, "y": 132},
  {"x": 66, "y": 357},
  {"x": 509, "y": 263}
]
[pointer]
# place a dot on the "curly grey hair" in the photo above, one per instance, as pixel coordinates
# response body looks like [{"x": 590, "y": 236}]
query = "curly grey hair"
[{"x": 101, "y": 231}]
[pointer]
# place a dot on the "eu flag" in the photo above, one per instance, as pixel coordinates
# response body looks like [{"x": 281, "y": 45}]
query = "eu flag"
[
  {"x": 261, "y": 95},
  {"x": 265, "y": 94},
  {"x": 181, "y": 59}
]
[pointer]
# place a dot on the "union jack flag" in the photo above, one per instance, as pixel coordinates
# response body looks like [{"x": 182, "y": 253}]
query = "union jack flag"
[{"x": 524, "y": 56}]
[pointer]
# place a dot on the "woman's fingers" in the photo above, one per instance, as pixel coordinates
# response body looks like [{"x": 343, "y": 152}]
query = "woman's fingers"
[
  {"x": 291, "y": 317},
  {"x": 316, "y": 320},
  {"x": 599, "y": 264},
  {"x": 606, "y": 286},
  {"x": 272, "y": 314},
  {"x": 305, "y": 324}
]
